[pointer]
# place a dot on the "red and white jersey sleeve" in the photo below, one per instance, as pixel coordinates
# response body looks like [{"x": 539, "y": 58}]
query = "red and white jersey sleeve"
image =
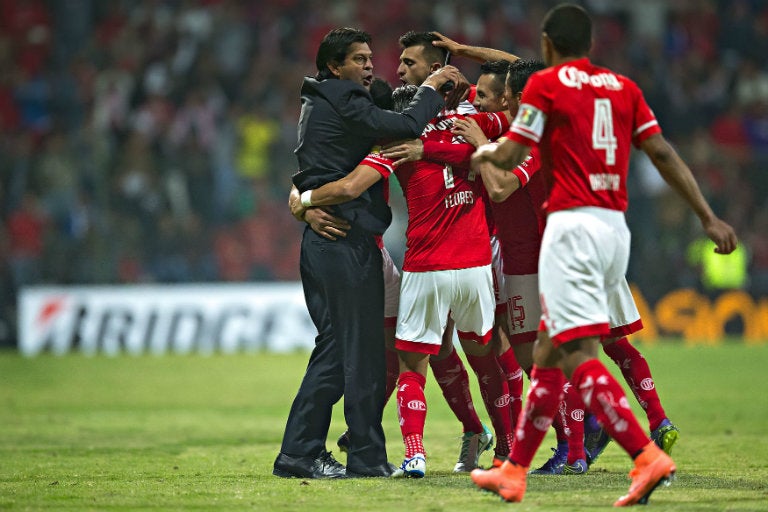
[
  {"x": 443, "y": 147},
  {"x": 493, "y": 124},
  {"x": 383, "y": 165},
  {"x": 385, "y": 168},
  {"x": 585, "y": 119}
]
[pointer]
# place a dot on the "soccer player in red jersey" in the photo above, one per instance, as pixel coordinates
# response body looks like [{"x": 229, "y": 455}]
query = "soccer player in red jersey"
[
  {"x": 519, "y": 218},
  {"x": 517, "y": 210},
  {"x": 584, "y": 119},
  {"x": 421, "y": 54},
  {"x": 515, "y": 217},
  {"x": 489, "y": 98}
]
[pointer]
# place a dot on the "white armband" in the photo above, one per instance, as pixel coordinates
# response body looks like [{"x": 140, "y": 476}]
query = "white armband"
[{"x": 306, "y": 198}]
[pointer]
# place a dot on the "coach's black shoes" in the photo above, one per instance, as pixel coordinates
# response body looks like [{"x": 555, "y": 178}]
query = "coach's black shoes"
[
  {"x": 323, "y": 466},
  {"x": 343, "y": 442},
  {"x": 375, "y": 471}
]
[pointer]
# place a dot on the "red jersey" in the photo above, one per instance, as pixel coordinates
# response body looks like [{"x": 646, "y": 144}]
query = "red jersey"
[
  {"x": 489, "y": 219},
  {"x": 520, "y": 219},
  {"x": 446, "y": 214},
  {"x": 584, "y": 118}
]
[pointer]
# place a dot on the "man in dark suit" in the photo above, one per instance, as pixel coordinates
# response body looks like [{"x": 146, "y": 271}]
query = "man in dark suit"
[{"x": 342, "y": 279}]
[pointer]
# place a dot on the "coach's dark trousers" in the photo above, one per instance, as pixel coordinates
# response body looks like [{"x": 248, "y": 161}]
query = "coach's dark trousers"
[{"x": 344, "y": 290}]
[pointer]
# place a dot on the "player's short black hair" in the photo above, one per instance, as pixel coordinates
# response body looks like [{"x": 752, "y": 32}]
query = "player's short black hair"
[
  {"x": 520, "y": 71},
  {"x": 402, "y": 97},
  {"x": 432, "y": 53},
  {"x": 497, "y": 68},
  {"x": 334, "y": 48},
  {"x": 569, "y": 28},
  {"x": 381, "y": 92}
]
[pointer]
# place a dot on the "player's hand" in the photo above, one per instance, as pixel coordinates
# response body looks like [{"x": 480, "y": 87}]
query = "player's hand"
[
  {"x": 470, "y": 130},
  {"x": 326, "y": 224},
  {"x": 722, "y": 234},
  {"x": 460, "y": 89},
  {"x": 404, "y": 151},
  {"x": 294, "y": 203},
  {"x": 447, "y": 43}
]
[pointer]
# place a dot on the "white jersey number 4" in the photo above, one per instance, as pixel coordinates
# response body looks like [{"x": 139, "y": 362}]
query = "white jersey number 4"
[{"x": 602, "y": 130}]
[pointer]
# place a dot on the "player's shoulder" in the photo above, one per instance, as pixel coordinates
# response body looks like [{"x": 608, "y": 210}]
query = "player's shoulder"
[
  {"x": 487, "y": 116},
  {"x": 545, "y": 79},
  {"x": 623, "y": 79},
  {"x": 334, "y": 89},
  {"x": 581, "y": 73}
]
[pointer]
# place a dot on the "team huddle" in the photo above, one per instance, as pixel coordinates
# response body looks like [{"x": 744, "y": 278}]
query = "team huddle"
[{"x": 516, "y": 242}]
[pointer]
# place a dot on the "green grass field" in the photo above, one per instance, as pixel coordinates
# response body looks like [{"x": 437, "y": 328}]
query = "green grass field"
[{"x": 194, "y": 432}]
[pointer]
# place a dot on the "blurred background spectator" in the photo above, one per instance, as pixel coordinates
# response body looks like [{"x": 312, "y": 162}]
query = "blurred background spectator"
[{"x": 152, "y": 140}]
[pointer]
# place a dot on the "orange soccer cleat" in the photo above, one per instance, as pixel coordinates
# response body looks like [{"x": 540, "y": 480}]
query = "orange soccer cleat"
[
  {"x": 507, "y": 480},
  {"x": 652, "y": 468}
]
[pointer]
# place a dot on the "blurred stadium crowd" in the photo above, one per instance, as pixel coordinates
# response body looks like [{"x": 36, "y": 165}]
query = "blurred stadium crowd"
[{"x": 151, "y": 140}]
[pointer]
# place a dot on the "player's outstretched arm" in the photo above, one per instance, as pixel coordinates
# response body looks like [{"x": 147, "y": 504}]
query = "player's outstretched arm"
[
  {"x": 322, "y": 222},
  {"x": 681, "y": 179},
  {"x": 404, "y": 151},
  {"x": 336, "y": 192},
  {"x": 477, "y": 53},
  {"x": 507, "y": 154},
  {"x": 441, "y": 152},
  {"x": 500, "y": 183}
]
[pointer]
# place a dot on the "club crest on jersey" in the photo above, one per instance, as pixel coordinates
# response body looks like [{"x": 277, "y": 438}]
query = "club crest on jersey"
[{"x": 571, "y": 76}]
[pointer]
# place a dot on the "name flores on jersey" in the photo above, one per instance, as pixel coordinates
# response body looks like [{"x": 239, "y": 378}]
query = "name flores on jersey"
[{"x": 459, "y": 199}]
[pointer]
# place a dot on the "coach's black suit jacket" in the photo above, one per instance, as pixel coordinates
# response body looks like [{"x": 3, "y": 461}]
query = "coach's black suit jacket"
[
  {"x": 342, "y": 279},
  {"x": 339, "y": 125}
]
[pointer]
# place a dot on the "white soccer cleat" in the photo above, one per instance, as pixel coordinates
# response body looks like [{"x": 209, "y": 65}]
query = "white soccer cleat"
[{"x": 415, "y": 467}]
